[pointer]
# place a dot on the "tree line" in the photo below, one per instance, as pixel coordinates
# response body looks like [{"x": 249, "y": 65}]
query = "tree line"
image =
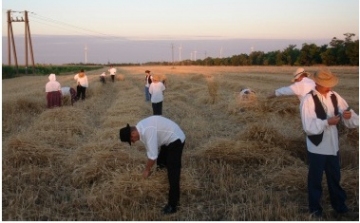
[{"x": 337, "y": 52}]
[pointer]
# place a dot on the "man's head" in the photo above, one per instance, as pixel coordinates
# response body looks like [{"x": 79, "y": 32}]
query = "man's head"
[
  {"x": 324, "y": 80},
  {"x": 299, "y": 74},
  {"x": 147, "y": 71},
  {"x": 129, "y": 134}
]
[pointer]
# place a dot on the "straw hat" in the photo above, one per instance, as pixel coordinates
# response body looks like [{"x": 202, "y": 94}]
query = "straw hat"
[
  {"x": 325, "y": 78},
  {"x": 298, "y": 73},
  {"x": 156, "y": 77}
]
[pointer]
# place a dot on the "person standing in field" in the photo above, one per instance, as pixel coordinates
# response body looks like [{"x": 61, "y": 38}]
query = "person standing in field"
[
  {"x": 82, "y": 83},
  {"x": 69, "y": 92},
  {"x": 156, "y": 89},
  {"x": 148, "y": 81},
  {"x": 321, "y": 111},
  {"x": 112, "y": 72},
  {"x": 302, "y": 84},
  {"x": 159, "y": 132},
  {"x": 53, "y": 92}
]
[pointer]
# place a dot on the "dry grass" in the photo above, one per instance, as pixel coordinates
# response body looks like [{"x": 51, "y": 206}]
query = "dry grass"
[{"x": 243, "y": 159}]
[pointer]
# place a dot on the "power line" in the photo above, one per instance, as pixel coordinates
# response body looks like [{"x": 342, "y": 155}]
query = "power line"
[{"x": 57, "y": 22}]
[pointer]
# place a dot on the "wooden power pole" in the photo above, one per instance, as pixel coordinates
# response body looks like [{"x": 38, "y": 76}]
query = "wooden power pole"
[{"x": 28, "y": 43}]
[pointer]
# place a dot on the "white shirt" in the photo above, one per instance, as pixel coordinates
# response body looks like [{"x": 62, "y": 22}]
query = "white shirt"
[
  {"x": 112, "y": 71},
  {"x": 156, "y": 90},
  {"x": 299, "y": 89},
  {"x": 65, "y": 91},
  {"x": 156, "y": 131},
  {"x": 83, "y": 81},
  {"x": 314, "y": 126}
]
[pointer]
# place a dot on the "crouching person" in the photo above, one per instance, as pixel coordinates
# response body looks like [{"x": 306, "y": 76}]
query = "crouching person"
[
  {"x": 102, "y": 77},
  {"x": 247, "y": 94},
  {"x": 159, "y": 132},
  {"x": 69, "y": 92}
]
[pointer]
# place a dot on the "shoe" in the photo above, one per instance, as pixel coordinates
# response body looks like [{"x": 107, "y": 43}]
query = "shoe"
[
  {"x": 169, "y": 209},
  {"x": 346, "y": 216}
]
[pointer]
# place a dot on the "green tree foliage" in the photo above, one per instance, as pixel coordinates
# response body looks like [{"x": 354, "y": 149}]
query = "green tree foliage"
[{"x": 337, "y": 52}]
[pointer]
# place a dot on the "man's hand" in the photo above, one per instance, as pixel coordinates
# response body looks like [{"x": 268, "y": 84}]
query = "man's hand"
[
  {"x": 148, "y": 167},
  {"x": 146, "y": 173},
  {"x": 334, "y": 120},
  {"x": 346, "y": 114},
  {"x": 271, "y": 95}
]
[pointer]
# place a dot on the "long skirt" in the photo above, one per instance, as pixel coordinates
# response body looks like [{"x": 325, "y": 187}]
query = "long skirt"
[{"x": 53, "y": 99}]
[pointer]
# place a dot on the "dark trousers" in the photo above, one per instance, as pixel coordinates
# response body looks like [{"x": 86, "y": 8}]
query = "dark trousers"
[
  {"x": 157, "y": 108},
  {"x": 80, "y": 92},
  {"x": 112, "y": 78},
  {"x": 170, "y": 157},
  {"x": 331, "y": 165},
  {"x": 147, "y": 94}
]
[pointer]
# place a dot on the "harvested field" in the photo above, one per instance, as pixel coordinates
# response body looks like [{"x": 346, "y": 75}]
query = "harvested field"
[{"x": 243, "y": 160}]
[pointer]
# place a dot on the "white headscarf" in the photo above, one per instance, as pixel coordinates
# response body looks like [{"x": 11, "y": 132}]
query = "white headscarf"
[{"x": 52, "y": 85}]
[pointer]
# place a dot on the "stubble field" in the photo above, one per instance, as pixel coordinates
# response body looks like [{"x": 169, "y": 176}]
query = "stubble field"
[{"x": 243, "y": 161}]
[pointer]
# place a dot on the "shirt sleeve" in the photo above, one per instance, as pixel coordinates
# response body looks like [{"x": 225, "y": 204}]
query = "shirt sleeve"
[
  {"x": 353, "y": 122},
  {"x": 151, "y": 144},
  {"x": 311, "y": 124},
  {"x": 284, "y": 91},
  {"x": 151, "y": 89}
]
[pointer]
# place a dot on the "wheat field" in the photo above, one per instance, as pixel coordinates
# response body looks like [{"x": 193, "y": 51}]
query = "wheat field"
[{"x": 243, "y": 160}]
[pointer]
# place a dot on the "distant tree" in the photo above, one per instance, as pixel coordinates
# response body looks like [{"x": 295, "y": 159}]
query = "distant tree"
[
  {"x": 279, "y": 58},
  {"x": 352, "y": 49},
  {"x": 256, "y": 58},
  {"x": 270, "y": 58},
  {"x": 309, "y": 55},
  {"x": 290, "y": 54}
]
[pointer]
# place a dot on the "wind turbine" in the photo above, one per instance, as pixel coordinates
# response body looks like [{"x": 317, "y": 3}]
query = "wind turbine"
[
  {"x": 180, "y": 48},
  {"x": 85, "y": 51}
]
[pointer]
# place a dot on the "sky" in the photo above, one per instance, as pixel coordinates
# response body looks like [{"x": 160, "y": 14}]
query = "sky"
[
  {"x": 268, "y": 19},
  {"x": 134, "y": 20}
]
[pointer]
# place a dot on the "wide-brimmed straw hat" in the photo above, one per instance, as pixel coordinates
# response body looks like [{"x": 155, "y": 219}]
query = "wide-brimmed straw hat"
[
  {"x": 125, "y": 134},
  {"x": 156, "y": 77},
  {"x": 325, "y": 78},
  {"x": 300, "y": 71}
]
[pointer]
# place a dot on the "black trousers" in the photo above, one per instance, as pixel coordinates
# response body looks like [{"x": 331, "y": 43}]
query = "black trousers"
[
  {"x": 112, "y": 78},
  {"x": 318, "y": 164},
  {"x": 170, "y": 157},
  {"x": 157, "y": 108},
  {"x": 80, "y": 92}
]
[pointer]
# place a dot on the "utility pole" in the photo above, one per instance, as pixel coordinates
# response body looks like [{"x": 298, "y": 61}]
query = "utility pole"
[
  {"x": 11, "y": 41},
  {"x": 172, "y": 54},
  {"x": 28, "y": 40}
]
